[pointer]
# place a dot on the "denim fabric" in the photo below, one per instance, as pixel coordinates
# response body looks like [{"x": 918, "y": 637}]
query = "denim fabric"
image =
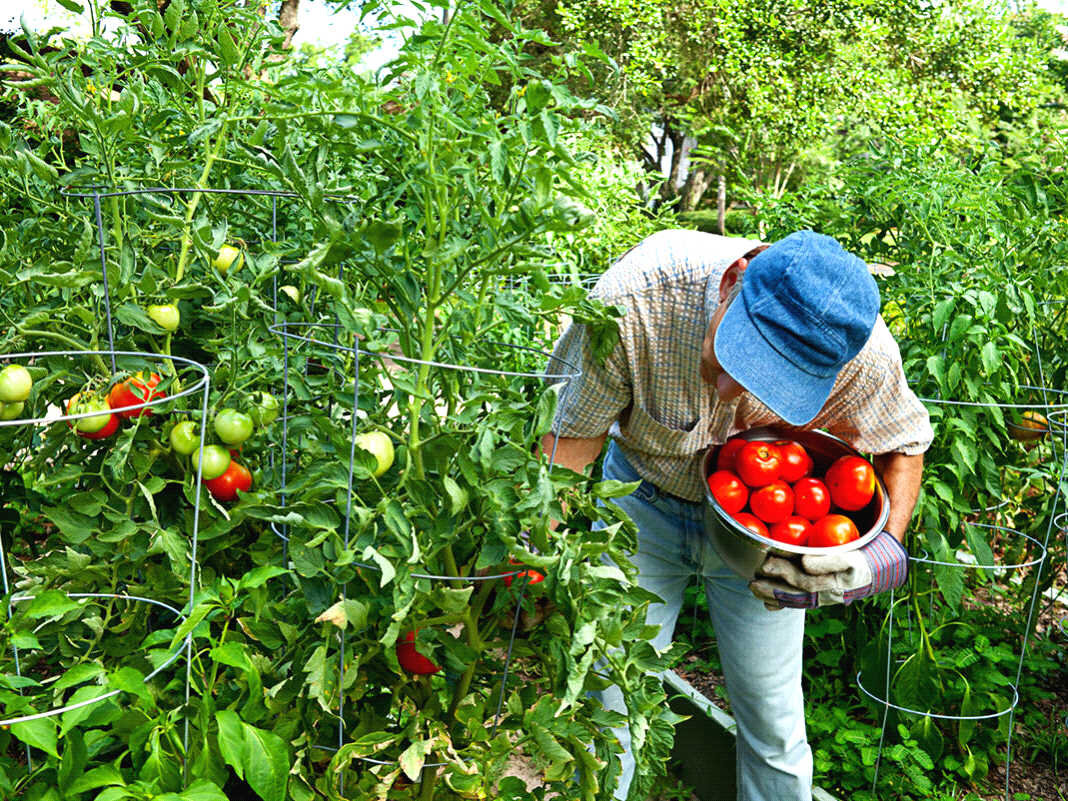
[{"x": 760, "y": 650}]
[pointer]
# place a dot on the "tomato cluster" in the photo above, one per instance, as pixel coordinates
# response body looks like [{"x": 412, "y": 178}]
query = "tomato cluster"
[
  {"x": 769, "y": 488},
  {"x": 135, "y": 390}
]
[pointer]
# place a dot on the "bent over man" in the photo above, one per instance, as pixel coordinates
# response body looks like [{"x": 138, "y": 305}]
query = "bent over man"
[{"x": 721, "y": 335}]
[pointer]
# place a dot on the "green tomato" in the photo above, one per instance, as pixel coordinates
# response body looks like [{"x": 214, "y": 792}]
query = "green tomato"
[
  {"x": 379, "y": 445},
  {"x": 82, "y": 405},
  {"x": 216, "y": 461},
  {"x": 184, "y": 438},
  {"x": 228, "y": 254},
  {"x": 233, "y": 427},
  {"x": 15, "y": 384},
  {"x": 291, "y": 291},
  {"x": 166, "y": 317},
  {"x": 11, "y": 411},
  {"x": 265, "y": 408}
]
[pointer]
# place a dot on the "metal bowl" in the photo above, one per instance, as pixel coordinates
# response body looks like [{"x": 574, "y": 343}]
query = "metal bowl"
[{"x": 741, "y": 549}]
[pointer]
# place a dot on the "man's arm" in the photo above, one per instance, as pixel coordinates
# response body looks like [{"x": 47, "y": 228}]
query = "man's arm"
[
  {"x": 574, "y": 453},
  {"x": 902, "y": 475}
]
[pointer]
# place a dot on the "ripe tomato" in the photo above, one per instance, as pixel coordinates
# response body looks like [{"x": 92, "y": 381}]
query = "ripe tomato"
[
  {"x": 851, "y": 481},
  {"x": 225, "y": 487},
  {"x": 728, "y": 453},
  {"x": 133, "y": 391},
  {"x": 794, "y": 530},
  {"x": 831, "y": 530},
  {"x": 411, "y": 660},
  {"x": 216, "y": 461},
  {"x": 812, "y": 500},
  {"x": 233, "y": 427},
  {"x": 728, "y": 490},
  {"x": 758, "y": 463},
  {"x": 751, "y": 522},
  {"x": 15, "y": 384},
  {"x": 530, "y": 575},
  {"x": 796, "y": 463},
  {"x": 773, "y": 503}
]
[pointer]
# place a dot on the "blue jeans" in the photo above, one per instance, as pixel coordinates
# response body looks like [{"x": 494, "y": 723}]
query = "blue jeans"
[{"x": 760, "y": 650}]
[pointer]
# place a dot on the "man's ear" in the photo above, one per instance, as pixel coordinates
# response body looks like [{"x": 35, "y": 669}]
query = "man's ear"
[{"x": 731, "y": 276}]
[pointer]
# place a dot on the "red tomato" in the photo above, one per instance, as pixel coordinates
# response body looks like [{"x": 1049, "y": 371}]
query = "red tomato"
[
  {"x": 134, "y": 390},
  {"x": 796, "y": 463},
  {"x": 812, "y": 500},
  {"x": 532, "y": 576},
  {"x": 110, "y": 427},
  {"x": 411, "y": 660},
  {"x": 728, "y": 453},
  {"x": 832, "y": 530},
  {"x": 728, "y": 490},
  {"x": 751, "y": 522},
  {"x": 758, "y": 463},
  {"x": 225, "y": 487},
  {"x": 773, "y": 503},
  {"x": 794, "y": 530},
  {"x": 851, "y": 481}
]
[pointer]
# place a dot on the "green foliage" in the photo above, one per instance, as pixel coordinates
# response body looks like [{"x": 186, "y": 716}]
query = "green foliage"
[{"x": 408, "y": 213}]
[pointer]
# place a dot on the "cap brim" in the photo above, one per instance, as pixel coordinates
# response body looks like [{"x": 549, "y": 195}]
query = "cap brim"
[{"x": 748, "y": 358}]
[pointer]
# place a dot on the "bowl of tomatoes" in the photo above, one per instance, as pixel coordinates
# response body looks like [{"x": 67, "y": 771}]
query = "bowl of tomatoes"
[{"x": 789, "y": 492}]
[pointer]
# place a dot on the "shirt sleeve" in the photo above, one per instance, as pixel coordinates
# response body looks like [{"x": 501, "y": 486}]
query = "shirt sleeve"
[
  {"x": 877, "y": 411},
  {"x": 593, "y": 400}
]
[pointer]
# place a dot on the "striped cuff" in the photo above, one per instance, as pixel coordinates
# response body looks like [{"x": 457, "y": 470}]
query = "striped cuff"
[{"x": 889, "y": 563}]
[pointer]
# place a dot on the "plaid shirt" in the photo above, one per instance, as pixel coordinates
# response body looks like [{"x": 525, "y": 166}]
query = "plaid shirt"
[{"x": 649, "y": 396}]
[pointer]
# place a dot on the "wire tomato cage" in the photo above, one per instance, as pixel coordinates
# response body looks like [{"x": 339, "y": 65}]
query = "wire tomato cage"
[
  {"x": 1053, "y": 404},
  {"x": 65, "y": 608},
  {"x": 343, "y": 362}
]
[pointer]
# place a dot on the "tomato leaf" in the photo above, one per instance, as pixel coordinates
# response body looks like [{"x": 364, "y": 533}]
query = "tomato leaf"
[{"x": 258, "y": 757}]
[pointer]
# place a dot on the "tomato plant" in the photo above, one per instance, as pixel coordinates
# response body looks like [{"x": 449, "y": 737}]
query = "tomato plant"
[
  {"x": 728, "y": 490},
  {"x": 758, "y": 463},
  {"x": 851, "y": 482}
]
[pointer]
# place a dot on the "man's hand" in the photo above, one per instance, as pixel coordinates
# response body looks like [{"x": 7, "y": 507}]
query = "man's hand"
[{"x": 839, "y": 578}]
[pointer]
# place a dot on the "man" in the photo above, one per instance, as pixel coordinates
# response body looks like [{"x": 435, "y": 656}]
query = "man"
[{"x": 721, "y": 335}]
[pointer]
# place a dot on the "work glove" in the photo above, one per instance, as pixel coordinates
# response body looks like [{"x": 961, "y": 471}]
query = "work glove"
[{"x": 837, "y": 578}]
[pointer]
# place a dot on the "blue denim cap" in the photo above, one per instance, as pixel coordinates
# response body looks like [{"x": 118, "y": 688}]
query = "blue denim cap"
[{"x": 807, "y": 307}]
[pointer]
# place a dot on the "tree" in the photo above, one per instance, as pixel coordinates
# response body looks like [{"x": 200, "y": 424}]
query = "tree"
[{"x": 759, "y": 92}]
